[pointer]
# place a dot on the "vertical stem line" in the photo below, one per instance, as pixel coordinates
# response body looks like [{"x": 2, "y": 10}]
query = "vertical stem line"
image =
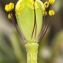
[{"x": 35, "y": 24}]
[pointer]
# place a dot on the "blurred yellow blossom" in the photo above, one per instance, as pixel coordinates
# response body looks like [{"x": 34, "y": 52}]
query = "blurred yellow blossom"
[
  {"x": 9, "y": 7},
  {"x": 51, "y": 1},
  {"x": 46, "y": 4},
  {"x": 9, "y": 16},
  {"x": 45, "y": 13},
  {"x": 51, "y": 12}
]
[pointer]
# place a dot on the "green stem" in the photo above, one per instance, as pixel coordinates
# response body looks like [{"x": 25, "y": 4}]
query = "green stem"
[{"x": 32, "y": 51}]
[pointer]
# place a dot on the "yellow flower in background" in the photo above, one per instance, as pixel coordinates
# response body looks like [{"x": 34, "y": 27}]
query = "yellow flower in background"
[
  {"x": 46, "y": 4},
  {"x": 51, "y": 1},
  {"x": 45, "y": 13},
  {"x": 9, "y": 16},
  {"x": 9, "y": 7},
  {"x": 51, "y": 12}
]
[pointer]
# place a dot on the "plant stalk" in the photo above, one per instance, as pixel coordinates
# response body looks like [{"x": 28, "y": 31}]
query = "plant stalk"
[{"x": 32, "y": 51}]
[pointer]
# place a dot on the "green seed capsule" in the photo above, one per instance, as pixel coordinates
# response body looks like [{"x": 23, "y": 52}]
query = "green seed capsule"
[{"x": 26, "y": 17}]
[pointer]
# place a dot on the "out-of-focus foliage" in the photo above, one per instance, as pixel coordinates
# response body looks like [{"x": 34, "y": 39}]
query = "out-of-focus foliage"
[
  {"x": 57, "y": 48},
  {"x": 12, "y": 49}
]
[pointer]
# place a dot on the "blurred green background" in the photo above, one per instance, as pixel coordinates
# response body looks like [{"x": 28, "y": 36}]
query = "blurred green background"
[{"x": 12, "y": 49}]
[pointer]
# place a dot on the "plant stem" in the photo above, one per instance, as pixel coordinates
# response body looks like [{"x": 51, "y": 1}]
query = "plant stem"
[{"x": 32, "y": 51}]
